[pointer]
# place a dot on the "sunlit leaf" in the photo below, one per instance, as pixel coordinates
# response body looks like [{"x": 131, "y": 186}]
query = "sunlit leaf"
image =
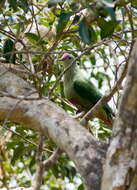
[
  {"x": 93, "y": 59},
  {"x": 81, "y": 187},
  {"x": 34, "y": 38},
  {"x": 134, "y": 4},
  {"x": 108, "y": 3}
]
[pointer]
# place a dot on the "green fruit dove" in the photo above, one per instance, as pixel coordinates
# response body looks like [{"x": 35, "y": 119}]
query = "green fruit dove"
[{"x": 81, "y": 92}]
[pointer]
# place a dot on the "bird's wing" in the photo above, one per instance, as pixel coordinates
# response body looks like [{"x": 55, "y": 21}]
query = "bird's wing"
[{"x": 86, "y": 89}]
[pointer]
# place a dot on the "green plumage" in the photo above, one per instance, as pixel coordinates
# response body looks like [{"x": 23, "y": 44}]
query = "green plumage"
[
  {"x": 81, "y": 92},
  {"x": 87, "y": 91}
]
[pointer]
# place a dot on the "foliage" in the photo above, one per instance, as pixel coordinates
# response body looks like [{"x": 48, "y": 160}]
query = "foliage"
[{"x": 36, "y": 33}]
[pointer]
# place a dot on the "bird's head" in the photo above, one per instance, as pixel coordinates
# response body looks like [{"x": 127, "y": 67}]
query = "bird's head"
[{"x": 67, "y": 59}]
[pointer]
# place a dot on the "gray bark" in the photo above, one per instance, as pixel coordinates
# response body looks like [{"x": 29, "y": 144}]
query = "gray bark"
[{"x": 120, "y": 172}]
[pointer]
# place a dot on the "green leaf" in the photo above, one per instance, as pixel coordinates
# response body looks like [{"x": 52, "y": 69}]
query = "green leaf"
[
  {"x": 108, "y": 3},
  {"x": 52, "y": 3},
  {"x": 74, "y": 6},
  {"x": 18, "y": 152},
  {"x": 111, "y": 12},
  {"x": 13, "y": 4},
  {"x": 32, "y": 162},
  {"x": 87, "y": 34},
  {"x": 92, "y": 35},
  {"x": 81, "y": 187},
  {"x": 32, "y": 37},
  {"x": 84, "y": 32},
  {"x": 107, "y": 27},
  {"x": 92, "y": 59},
  {"x": 63, "y": 20},
  {"x": 7, "y": 48},
  {"x": 134, "y": 4},
  {"x": 24, "y": 5}
]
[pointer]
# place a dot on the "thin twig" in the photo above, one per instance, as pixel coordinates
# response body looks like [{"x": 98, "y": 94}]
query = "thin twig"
[
  {"x": 77, "y": 116},
  {"x": 39, "y": 172},
  {"x": 2, "y": 93},
  {"x": 52, "y": 159},
  {"x": 24, "y": 138}
]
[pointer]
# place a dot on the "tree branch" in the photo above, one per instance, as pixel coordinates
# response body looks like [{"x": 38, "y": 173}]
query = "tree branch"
[
  {"x": 36, "y": 183},
  {"x": 52, "y": 159}
]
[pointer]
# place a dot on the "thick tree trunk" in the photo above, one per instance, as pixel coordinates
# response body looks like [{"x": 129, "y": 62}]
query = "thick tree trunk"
[
  {"x": 20, "y": 104},
  {"x": 120, "y": 171}
]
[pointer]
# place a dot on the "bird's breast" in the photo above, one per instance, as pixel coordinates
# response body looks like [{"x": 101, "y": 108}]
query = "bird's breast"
[{"x": 69, "y": 91}]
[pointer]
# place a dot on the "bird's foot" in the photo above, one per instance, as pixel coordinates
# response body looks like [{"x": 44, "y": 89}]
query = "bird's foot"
[{"x": 79, "y": 114}]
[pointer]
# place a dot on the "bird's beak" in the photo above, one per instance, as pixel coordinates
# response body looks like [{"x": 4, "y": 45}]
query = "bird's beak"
[{"x": 61, "y": 59}]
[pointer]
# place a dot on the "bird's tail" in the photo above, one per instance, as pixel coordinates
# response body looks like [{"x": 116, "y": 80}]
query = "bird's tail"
[{"x": 107, "y": 119}]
